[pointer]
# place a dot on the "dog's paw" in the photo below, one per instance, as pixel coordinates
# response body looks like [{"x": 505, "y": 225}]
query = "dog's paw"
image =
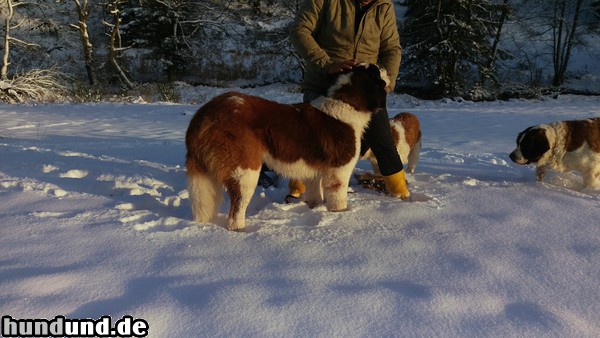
[
  {"x": 339, "y": 209},
  {"x": 289, "y": 199},
  {"x": 312, "y": 204},
  {"x": 404, "y": 197},
  {"x": 236, "y": 228}
]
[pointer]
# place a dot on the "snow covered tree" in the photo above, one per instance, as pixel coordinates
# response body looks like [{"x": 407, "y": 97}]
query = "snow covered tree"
[
  {"x": 447, "y": 42},
  {"x": 596, "y": 11},
  {"x": 169, "y": 29},
  {"x": 487, "y": 70},
  {"x": 36, "y": 84},
  {"x": 564, "y": 28},
  {"x": 115, "y": 45},
  {"x": 9, "y": 7},
  {"x": 156, "y": 25},
  {"x": 83, "y": 11},
  {"x": 7, "y": 10},
  {"x": 555, "y": 28},
  {"x": 208, "y": 41}
]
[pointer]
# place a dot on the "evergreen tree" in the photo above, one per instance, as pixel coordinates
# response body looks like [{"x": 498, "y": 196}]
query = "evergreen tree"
[
  {"x": 447, "y": 42},
  {"x": 156, "y": 25},
  {"x": 596, "y": 10},
  {"x": 210, "y": 40}
]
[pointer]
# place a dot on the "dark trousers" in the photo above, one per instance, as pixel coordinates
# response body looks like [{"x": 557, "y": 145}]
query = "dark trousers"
[{"x": 378, "y": 138}]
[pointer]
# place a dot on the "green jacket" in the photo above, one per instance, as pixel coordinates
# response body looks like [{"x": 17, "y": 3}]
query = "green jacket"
[{"x": 324, "y": 33}]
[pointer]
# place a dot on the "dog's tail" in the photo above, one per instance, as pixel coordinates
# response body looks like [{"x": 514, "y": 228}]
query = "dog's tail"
[{"x": 206, "y": 194}]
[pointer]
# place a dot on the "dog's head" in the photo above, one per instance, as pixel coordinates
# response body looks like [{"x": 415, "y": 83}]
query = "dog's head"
[
  {"x": 532, "y": 144},
  {"x": 363, "y": 87}
]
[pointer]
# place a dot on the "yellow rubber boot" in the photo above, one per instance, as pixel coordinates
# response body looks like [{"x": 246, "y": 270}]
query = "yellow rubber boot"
[
  {"x": 396, "y": 185},
  {"x": 297, "y": 188}
]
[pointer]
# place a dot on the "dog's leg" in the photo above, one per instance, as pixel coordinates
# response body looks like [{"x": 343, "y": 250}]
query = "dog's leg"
[
  {"x": 591, "y": 179},
  {"x": 375, "y": 166},
  {"x": 540, "y": 173},
  {"x": 241, "y": 188},
  {"x": 314, "y": 192},
  {"x": 205, "y": 194},
  {"x": 413, "y": 157},
  {"x": 595, "y": 183},
  {"x": 371, "y": 157},
  {"x": 335, "y": 185}
]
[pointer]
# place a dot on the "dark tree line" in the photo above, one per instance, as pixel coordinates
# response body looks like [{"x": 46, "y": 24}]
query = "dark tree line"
[
  {"x": 446, "y": 41},
  {"x": 451, "y": 47}
]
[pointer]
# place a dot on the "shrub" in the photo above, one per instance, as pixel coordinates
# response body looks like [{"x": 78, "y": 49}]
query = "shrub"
[{"x": 38, "y": 85}]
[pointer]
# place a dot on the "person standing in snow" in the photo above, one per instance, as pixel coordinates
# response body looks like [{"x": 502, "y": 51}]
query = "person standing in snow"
[{"x": 334, "y": 35}]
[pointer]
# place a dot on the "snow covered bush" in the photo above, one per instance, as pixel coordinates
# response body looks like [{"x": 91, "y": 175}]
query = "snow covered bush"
[{"x": 47, "y": 85}]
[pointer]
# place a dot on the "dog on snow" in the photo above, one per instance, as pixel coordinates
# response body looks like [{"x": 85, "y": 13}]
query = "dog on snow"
[
  {"x": 231, "y": 136},
  {"x": 562, "y": 146}
]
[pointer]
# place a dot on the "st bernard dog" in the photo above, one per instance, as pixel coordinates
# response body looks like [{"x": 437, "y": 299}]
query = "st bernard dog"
[
  {"x": 231, "y": 136},
  {"x": 562, "y": 146},
  {"x": 406, "y": 132}
]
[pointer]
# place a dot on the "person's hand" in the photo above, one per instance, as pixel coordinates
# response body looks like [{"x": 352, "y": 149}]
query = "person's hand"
[{"x": 339, "y": 67}]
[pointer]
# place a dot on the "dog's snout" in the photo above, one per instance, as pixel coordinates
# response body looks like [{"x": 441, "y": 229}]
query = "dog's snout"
[{"x": 518, "y": 158}]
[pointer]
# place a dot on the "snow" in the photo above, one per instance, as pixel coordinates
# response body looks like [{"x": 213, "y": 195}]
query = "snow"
[{"x": 95, "y": 221}]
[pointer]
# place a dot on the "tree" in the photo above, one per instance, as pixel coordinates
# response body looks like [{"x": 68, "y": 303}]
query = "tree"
[
  {"x": 556, "y": 27},
  {"x": 564, "y": 28},
  {"x": 115, "y": 47},
  {"x": 37, "y": 84},
  {"x": 7, "y": 38},
  {"x": 10, "y": 6},
  {"x": 167, "y": 28},
  {"x": 446, "y": 40},
  {"x": 596, "y": 10},
  {"x": 83, "y": 12},
  {"x": 209, "y": 41},
  {"x": 488, "y": 70}
]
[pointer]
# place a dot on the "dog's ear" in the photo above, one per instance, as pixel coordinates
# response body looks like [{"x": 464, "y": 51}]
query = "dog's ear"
[
  {"x": 376, "y": 86},
  {"x": 534, "y": 144},
  {"x": 375, "y": 72},
  {"x": 522, "y": 134},
  {"x": 363, "y": 88},
  {"x": 378, "y": 100}
]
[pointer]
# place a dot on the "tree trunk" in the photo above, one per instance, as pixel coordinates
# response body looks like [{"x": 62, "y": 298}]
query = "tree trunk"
[
  {"x": 88, "y": 49},
  {"x": 113, "y": 51},
  {"x": 5, "y": 56},
  {"x": 488, "y": 70},
  {"x": 562, "y": 47}
]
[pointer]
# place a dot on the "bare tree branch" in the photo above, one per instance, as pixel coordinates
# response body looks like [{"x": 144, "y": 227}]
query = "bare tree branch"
[
  {"x": 115, "y": 44},
  {"x": 83, "y": 12}
]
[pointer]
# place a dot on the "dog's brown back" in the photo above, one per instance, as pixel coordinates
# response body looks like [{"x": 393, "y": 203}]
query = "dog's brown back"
[
  {"x": 580, "y": 131},
  {"x": 412, "y": 128}
]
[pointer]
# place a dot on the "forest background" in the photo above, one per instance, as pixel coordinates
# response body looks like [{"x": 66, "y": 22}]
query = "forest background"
[{"x": 86, "y": 51}]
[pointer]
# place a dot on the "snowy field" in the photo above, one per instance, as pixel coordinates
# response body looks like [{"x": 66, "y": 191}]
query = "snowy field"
[{"x": 95, "y": 221}]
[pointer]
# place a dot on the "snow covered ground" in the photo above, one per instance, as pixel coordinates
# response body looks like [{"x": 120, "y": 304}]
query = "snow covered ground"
[{"x": 95, "y": 220}]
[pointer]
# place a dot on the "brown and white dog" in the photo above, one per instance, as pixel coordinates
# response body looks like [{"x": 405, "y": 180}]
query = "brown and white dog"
[
  {"x": 562, "y": 146},
  {"x": 230, "y": 137},
  {"x": 406, "y": 132}
]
